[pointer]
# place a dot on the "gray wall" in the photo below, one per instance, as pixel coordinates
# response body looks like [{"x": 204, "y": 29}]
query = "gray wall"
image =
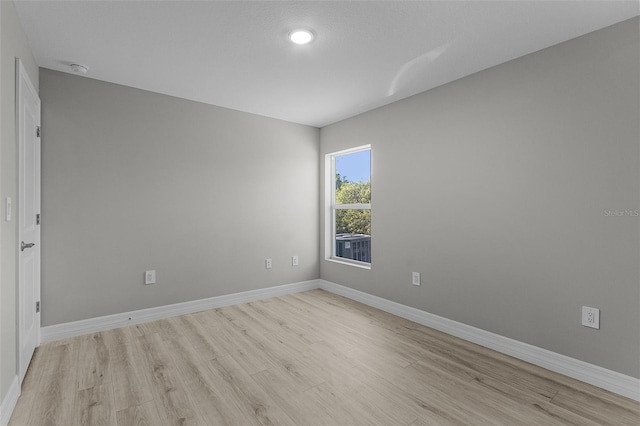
[
  {"x": 13, "y": 45},
  {"x": 495, "y": 187},
  {"x": 134, "y": 180}
]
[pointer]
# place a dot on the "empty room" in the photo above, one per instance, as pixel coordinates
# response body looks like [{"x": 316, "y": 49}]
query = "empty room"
[{"x": 319, "y": 213}]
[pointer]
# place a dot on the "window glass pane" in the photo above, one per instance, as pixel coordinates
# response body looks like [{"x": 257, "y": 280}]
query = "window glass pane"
[
  {"x": 353, "y": 178},
  {"x": 353, "y": 234},
  {"x": 352, "y": 221}
]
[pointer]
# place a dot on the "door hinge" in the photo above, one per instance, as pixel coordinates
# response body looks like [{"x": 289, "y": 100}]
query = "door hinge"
[
  {"x": 37, "y": 307},
  {"x": 38, "y": 219},
  {"x": 37, "y": 131}
]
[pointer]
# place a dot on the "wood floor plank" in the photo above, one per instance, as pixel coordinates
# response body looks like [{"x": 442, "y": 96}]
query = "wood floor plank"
[
  {"x": 239, "y": 315},
  {"x": 595, "y": 408},
  {"x": 93, "y": 361},
  {"x": 54, "y": 402},
  {"x": 31, "y": 386},
  {"x": 505, "y": 403},
  {"x": 287, "y": 310},
  {"x": 165, "y": 328},
  {"x": 94, "y": 406},
  {"x": 139, "y": 415},
  {"x": 248, "y": 396},
  {"x": 471, "y": 357},
  {"x": 311, "y": 358},
  {"x": 280, "y": 320},
  {"x": 564, "y": 417},
  {"x": 285, "y": 352},
  {"x": 199, "y": 336},
  {"x": 376, "y": 405},
  {"x": 211, "y": 325},
  {"x": 355, "y": 410},
  {"x": 284, "y": 390},
  {"x": 425, "y": 421},
  {"x": 173, "y": 399},
  {"x": 406, "y": 401},
  {"x": 204, "y": 392},
  {"x": 129, "y": 381},
  {"x": 429, "y": 397},
  {"x": 323, "y": 323},
  {"x": 342, "y": 372},
  {"x": 245, "y": 346}
]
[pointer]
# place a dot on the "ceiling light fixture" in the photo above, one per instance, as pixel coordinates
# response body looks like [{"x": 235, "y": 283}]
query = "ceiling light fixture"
[
  {"x": 301, "y": 36},
  {"x": 80, "y": 69}
]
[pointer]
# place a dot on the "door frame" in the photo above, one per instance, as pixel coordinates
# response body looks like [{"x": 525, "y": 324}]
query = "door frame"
[{"x": 23, "y": 82}]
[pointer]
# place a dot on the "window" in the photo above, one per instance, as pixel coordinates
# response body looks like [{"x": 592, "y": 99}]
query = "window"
[{"x": 349, "y": 197}]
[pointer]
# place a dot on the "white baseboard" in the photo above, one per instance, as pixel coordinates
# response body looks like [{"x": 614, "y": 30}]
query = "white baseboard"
[
  {"x": 9, "y": 402},
  {"x": 108, "y": 322},
  {"x": 598, "y": 376}
]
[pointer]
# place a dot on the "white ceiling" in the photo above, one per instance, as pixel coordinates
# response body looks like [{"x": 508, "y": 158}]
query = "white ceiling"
[{"x": 236, "y": 54}]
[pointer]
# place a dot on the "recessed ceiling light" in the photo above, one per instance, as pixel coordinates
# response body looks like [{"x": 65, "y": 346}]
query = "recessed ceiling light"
[
  {"x": 301, "y": 36},
  {"x": 80, "y": 69}
]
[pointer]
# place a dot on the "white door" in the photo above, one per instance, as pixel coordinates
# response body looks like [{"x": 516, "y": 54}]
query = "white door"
[{"x": 28, "y": 112}]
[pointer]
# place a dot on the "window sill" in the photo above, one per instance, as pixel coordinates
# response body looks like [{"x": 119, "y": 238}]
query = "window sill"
[{"x": 354, "y": 263}]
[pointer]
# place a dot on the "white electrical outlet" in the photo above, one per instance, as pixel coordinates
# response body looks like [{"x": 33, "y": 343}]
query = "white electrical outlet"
[
  {"x": 268, "y": 264},
  {"x": 415, "y": 280},
  {"x": 294, "y": 260},
  {"x": 150, "y": 277},
  {"x": 591, "y": 317}
]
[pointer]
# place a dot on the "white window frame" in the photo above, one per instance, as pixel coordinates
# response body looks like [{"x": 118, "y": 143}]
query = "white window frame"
[{"x": 332, "y": 207}]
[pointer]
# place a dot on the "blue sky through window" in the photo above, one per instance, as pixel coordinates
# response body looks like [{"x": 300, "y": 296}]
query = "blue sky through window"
[{"x": 355, "y": 167}]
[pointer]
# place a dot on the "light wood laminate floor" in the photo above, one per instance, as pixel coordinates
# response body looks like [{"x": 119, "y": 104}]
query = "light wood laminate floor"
[{"x": 310, "y": 358}]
